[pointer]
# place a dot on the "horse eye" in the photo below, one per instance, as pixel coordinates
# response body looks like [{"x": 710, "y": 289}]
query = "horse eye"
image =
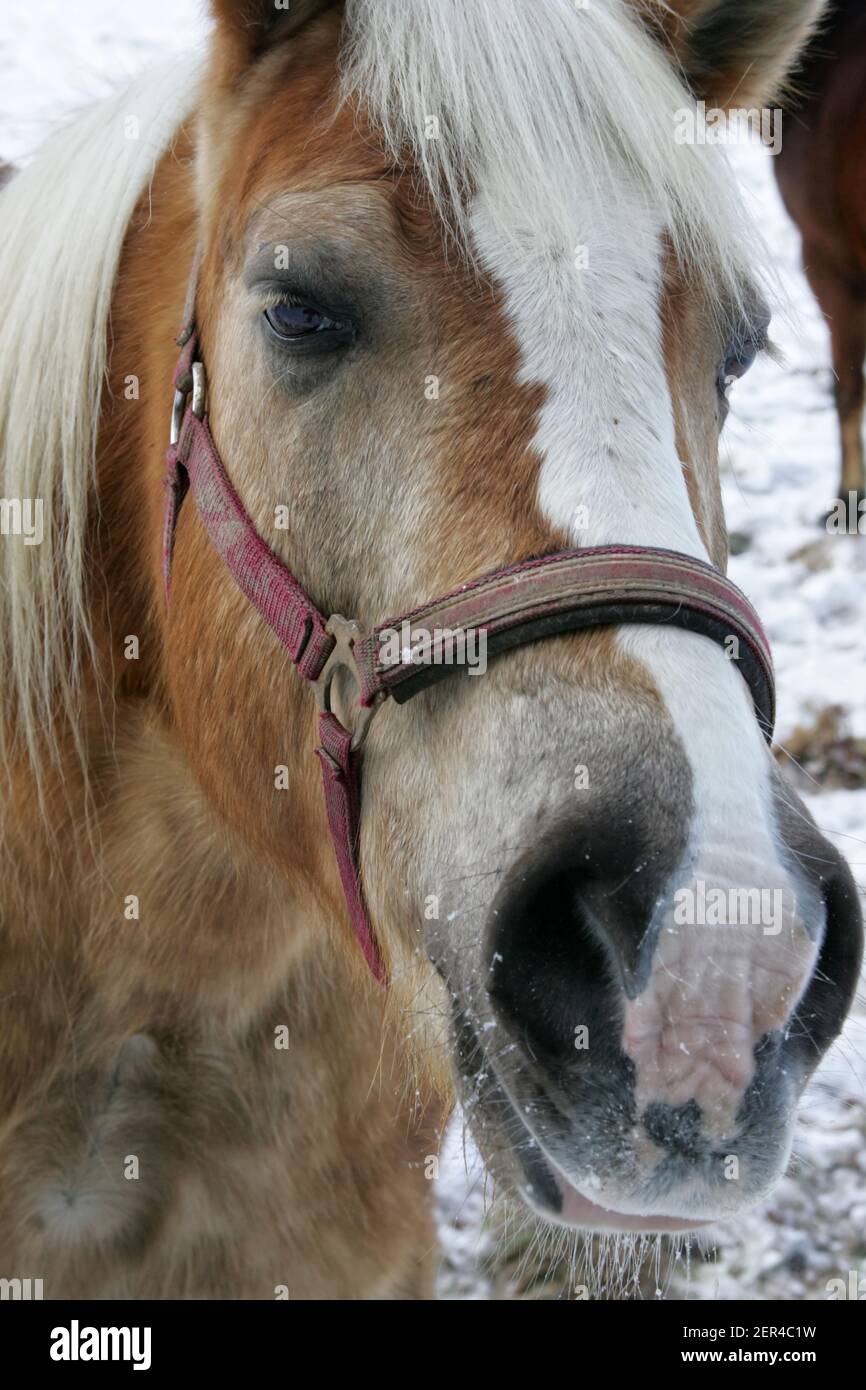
[
  {"x": 304, "y": 325},
  {"x": 741, "y": 356}
]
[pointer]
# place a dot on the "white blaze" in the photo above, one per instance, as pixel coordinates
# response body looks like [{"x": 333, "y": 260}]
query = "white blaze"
[{"x": 587, "y": 319}]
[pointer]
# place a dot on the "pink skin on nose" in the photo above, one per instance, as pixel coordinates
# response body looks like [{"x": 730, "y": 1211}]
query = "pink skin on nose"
[{"x": 713, "y": 993}]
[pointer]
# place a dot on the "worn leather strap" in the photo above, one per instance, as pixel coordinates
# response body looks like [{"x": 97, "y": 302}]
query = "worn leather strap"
[
  {"x": 570, "y": 590},
  {"x": 340, "y": 778},
  {"x": 260, "y": 573},
  {"x": 575, "y": 589}
]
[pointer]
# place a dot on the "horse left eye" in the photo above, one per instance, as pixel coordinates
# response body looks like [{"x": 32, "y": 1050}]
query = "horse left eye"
[
  {"x": 300, "y": 324},
  {"x": 738, "y": 361}
]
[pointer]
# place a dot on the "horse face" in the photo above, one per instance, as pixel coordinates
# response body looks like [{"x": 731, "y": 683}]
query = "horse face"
[{"x": 645, "y": 943}]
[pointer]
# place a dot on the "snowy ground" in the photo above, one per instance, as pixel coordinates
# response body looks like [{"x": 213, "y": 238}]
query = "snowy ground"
[{"x": 781, "y": 463}]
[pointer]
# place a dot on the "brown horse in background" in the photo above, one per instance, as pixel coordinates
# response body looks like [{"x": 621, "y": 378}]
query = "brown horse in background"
[{"x": 821, "y": 172}]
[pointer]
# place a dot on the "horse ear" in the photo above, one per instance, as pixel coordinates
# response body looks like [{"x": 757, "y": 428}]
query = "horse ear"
[
  {"x": 250, "y": 27},
  {"x": 735, "y": 52}
]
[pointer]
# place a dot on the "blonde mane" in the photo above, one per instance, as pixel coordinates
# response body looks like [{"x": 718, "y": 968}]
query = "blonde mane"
[{"x": 63, "y": 220}]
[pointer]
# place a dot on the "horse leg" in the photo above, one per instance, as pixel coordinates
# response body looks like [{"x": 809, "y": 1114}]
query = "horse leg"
[
  {"x": 843, "y": 301},
  {"x": 849, "y": 351}
]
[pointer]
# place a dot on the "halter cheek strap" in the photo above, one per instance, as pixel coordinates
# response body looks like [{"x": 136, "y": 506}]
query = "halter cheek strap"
[
  {"x": 564, "y": 592},
  {"x": 193, "y": 463}
]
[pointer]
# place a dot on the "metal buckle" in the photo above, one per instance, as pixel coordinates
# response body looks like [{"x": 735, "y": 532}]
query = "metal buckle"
[
  {"x": 199, "y": 401},
  {"x": 345, "y": 632}
]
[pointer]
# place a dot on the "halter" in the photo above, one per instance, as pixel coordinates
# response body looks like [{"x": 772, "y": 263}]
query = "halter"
[{"x": 599, "y": 586}]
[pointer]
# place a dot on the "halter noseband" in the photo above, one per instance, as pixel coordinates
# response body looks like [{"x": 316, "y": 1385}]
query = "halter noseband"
[{"x": 563, "y": 592}]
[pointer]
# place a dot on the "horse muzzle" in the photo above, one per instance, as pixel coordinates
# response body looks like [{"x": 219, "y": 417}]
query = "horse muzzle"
[{"x": 644, "y": 1034}]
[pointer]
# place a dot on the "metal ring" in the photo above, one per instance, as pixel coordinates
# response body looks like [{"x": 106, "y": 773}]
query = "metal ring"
[{"x": 346, "y": 632}]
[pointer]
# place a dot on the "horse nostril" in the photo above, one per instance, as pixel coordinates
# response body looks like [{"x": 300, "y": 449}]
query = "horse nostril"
[
  {"x": 677, "y": 1128},
  {"x": 549, "y": 977},
  {"x": 570, "y": 938}
]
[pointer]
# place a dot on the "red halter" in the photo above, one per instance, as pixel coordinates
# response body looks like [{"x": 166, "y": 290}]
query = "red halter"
[{"x": 572, "y": 589}]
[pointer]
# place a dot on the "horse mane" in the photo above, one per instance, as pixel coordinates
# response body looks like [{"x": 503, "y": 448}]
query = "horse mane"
[
  {"x": 63, "y": 220},
  {"x": 535, "y": 100}
]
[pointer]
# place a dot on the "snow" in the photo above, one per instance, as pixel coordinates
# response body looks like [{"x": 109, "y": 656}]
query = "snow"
[
  {"x": 781, "y": 460},
  {"x": 56, "y": 56}
]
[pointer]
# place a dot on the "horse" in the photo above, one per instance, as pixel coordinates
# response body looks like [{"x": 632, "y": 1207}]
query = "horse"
[
  {"x": 458, "y": 315},
  {"x": 819, "y": 171}
]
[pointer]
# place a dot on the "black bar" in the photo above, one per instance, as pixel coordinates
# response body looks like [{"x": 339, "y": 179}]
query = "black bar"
[{"x": 284, "y": 1337}]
